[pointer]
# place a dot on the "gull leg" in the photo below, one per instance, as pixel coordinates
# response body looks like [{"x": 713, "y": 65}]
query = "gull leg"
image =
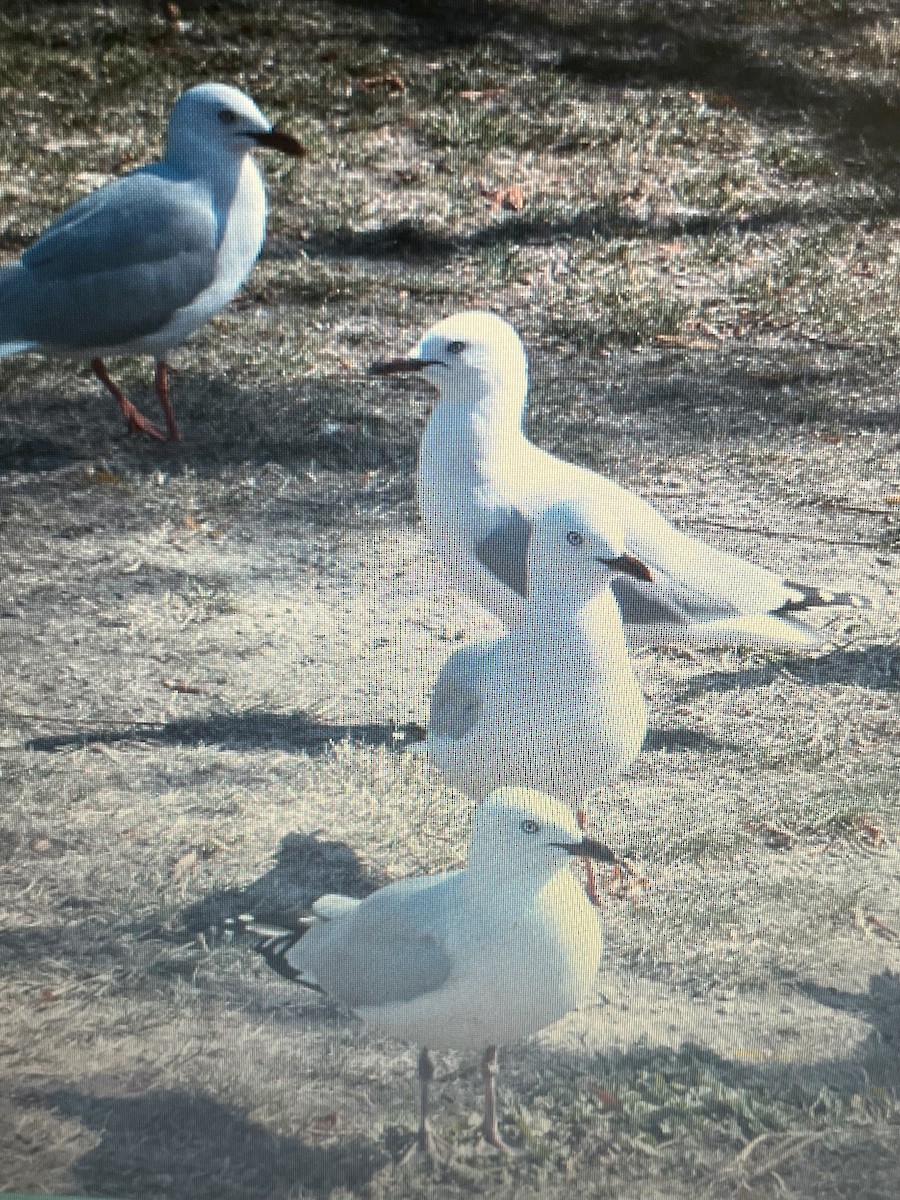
[
  {"x": 590, "y": 878},
  {"x": 489, "y": 1130},
  {"x": 426, "y": 1142},
  {"x": 136, "y": 422},
  {"x": 162, "y": 391}
]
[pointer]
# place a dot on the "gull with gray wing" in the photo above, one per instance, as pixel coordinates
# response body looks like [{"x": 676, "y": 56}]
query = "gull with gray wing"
[
  {"x": 139, "y": 265},
  {"x": 467, "y": 959},
  {"x": 553, "y": 703},
  {"x": 481, "y": 481}
]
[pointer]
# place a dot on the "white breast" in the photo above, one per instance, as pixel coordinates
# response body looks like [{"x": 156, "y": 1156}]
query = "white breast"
[{"x": 245, "y": 231}]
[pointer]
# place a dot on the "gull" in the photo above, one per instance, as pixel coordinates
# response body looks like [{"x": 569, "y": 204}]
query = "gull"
[
  {"x": 467, "y": 959},
  {"x": 140, "y": 264},
  {"x": 553, "y": 703},
  {"x": 481, "y": 481}
]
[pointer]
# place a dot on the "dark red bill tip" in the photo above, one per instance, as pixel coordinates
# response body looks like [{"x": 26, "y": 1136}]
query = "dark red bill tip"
[
  {"x": 277, "y": 139},
  {"x": 398, "y": 366},
  {"x": 629, "y": 565}
]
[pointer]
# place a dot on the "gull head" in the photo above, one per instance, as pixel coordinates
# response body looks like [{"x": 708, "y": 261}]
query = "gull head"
[
  {"x": 466, "y": 357},
  {"x": 218, "y": 118},
  {"x": 519, "y": 833},
  {"x": 576, "y": 546}
]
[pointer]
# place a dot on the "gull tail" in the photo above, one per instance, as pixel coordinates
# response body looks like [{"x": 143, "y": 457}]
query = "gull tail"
[
  {"x": 805, "y": 598},
  {"x": 7, "y": 349},
  {"x": 274, "y": 945}
]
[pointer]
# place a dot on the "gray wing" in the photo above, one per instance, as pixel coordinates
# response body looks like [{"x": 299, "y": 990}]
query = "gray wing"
[
  {"x": 387, "y": 951},
  {"x": 662, "y": 603},
  {"x": 504, "y": 551},
  {"x": 115, "y": 267},
  {"x": 456, "y": 699}
]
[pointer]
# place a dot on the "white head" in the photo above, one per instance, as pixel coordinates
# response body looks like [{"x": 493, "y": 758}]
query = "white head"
[
  {"x": 468, "y": 356},
  {"x": 575, "y": 548},
  {"x": 524, "y": 836},
  {"x": 215, "y": 118}
]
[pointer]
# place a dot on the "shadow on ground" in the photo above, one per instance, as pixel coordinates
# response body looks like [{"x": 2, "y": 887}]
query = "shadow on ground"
[
  {"x": 306, "y": 867},
  {"x": 876, "y": 668},
  {"x": 253, "y": 728},
  {"x": 179, "y": 1144}
]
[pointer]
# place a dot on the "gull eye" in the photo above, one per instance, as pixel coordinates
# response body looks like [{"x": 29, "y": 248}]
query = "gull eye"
[
  {"x": 530, "y": 826},
  {"x": 455, "y": 347},
  {"x": 226, "y": 116},
  {"x": 574, "y": 538}
]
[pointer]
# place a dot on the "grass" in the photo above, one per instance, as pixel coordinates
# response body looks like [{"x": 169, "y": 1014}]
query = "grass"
[{"x": 211, "y": 646}]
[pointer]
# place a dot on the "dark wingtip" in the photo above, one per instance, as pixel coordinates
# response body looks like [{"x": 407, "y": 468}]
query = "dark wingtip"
[{"x": 815, "y": 597}]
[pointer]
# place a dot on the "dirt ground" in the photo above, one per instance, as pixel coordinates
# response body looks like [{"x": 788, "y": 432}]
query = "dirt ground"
[{"x": 212, "y": 649}]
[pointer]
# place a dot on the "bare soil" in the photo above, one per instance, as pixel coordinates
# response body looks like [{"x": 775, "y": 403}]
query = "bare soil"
[{"x": 213, "y": 649}]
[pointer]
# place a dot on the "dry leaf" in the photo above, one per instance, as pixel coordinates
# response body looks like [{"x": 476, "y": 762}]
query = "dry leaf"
[
  {"x": 186, "y": 865},
  {"x": 490, "y": 93},
  {"x": 48, "y": 995},
  {"x": 103, "y": 475},
  {"x": 624, "y": 883},
  {"x": 186, "y": 689},
  {"x": 393, "y": 83},
  {"x": 325, "y": 1123},
  {"x": 40, "y": 845},
  {"x": 881, "y": 930},
  {"x": 610, "y": 1101},
  {"x": 873, "y": 833},
  {"x": 512, "y": 197},
  {"x": 893, "y": 499},
  {"x": 190, "y": 522}
]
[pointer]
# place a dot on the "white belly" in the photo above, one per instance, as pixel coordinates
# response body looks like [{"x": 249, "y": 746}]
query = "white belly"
[
  {"x": 515, "y": 979},
  {"x": 239, "y": 249}
]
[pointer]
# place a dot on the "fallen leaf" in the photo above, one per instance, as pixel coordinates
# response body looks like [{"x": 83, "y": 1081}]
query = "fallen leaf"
[
  {"x": 325, "y": 1123},
  {"x": 512, "y": 197},
  {"x": 893, "y": 499},
  {"x": 186, "y": 865},
  {"x": 774, "y": 838},
  {"x": 393, "y": 83},
  {"x": 40, "y": 845},
  {"x": 610, "y": 1101},
  {"x": 103, "y": 475},
  {"x": 623, "y": 882},
  {"x": 873, "y": 833},
  {"x": 48, "y": 995},
  {"x": 490, "y": 93},
  {"x": 881, "y": 930},
  {"x": 190, "y": 522},
  {"x": 186, "y": 689}
]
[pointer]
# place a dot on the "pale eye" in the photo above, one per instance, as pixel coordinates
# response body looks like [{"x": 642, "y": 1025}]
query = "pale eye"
[
  {"x": 574, "y": 538},
  {"x": 226, "y": 116},
  {"x": 530, "y": 826},
  {"x": 455, "y": 347}
]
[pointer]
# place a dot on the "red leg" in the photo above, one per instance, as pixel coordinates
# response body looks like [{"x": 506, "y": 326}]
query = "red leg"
[
  {"x": 590, "y": 878},
  {"x": 136, "y": 422},
  {"x": 162, "y": 391}
]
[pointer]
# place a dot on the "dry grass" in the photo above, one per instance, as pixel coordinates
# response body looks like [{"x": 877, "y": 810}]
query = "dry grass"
[{"x": 210, "y": 647}]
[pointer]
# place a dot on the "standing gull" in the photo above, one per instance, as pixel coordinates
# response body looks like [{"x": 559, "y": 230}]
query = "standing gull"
[
  {"x": 139, "y": 265},
  {"x": 553, "y": 703},
  {"x": 481, "y": 480},
  {"x": 467, "y": 959}
]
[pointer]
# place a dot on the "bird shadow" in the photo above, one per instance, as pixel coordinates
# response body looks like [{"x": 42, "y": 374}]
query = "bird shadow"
[
  {"x": 306, "y": 867},
  {"x": 177, "y": 1143},
  {"x": 299, "y": 731},
  {"x": 875, "y": 668},
  {"x": 681, "y": 738}
]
